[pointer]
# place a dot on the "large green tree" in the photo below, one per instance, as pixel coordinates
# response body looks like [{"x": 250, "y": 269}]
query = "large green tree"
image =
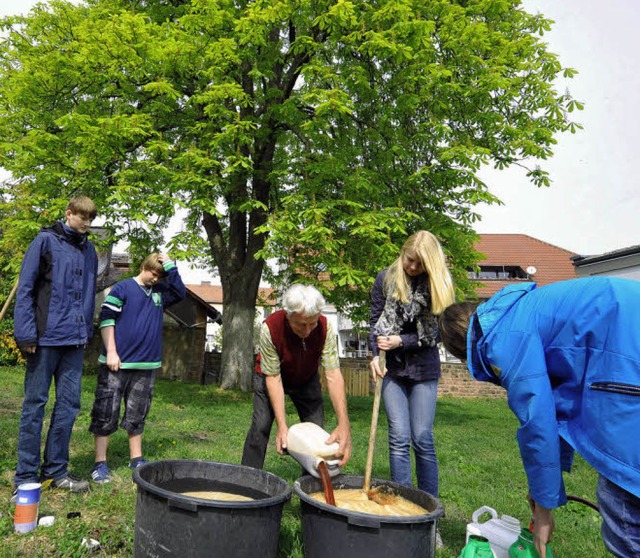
[{"x": 319, "y": 133}]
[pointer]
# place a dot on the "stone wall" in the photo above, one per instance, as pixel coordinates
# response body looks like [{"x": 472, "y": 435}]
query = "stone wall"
[{"x": 456, "y": 381}]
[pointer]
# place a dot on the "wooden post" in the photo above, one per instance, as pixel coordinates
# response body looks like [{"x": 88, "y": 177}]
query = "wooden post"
[{"x": 8, "y": 301}]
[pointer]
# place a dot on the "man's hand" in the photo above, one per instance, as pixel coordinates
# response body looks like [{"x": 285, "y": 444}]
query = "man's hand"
[
  {"x": 342, "y": 435},
  {"x": 281, "y": 439},
  {"x": 543, "y": 526},
  {"x": 30, "y": 349}
]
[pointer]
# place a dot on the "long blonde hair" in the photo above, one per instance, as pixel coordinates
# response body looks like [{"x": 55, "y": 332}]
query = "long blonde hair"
[{"x": 428, "y": 249}]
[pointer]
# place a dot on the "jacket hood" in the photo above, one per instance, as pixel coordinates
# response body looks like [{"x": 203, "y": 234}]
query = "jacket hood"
[
  {"x": 67, "y": 233},
  {"x": 483, "y": 322}
]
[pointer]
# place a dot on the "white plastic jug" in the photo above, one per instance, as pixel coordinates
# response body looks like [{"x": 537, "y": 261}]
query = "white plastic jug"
[
  {"x": 306, "y": 443},
  {"x": 501, "y": 532}
]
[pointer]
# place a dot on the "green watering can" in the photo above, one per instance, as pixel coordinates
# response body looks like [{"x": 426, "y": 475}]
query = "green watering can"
[{"x": 525, "y": 548}]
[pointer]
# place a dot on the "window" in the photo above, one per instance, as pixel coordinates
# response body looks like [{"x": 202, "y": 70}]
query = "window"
[{"x": 498, "y": 273}]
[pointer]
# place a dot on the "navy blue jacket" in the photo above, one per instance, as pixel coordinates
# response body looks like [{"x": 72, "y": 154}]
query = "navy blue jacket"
[{"x": 56, "y": 291}]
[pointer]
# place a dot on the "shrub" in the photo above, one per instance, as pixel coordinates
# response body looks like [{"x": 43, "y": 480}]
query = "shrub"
[{"x": 9, "y": 352}]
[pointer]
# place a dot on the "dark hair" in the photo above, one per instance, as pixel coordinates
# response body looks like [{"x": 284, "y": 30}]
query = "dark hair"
[{"x": 454, "y": 324}]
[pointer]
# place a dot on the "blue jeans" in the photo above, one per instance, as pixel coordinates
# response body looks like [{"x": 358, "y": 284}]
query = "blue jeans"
[
  {"x": 411, "y": 410},
  {"x": 620, "y": 512},
  {"x": 64, "y": 365}
]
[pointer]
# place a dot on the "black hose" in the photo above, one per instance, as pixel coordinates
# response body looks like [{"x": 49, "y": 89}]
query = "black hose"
[{"x": 584, "y": 501}]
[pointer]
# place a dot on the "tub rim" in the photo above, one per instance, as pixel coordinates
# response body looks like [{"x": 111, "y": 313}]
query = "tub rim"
[{"x": 191, "y": 503}]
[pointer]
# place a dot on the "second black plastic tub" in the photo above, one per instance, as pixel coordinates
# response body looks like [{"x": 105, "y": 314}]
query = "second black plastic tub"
[
  {"x": 331, "y": 532},
  {"x": 168, "y": 523}
]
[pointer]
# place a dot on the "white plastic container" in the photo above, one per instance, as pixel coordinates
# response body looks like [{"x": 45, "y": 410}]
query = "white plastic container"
[
  {"x": 501, "y": 532},
  {"x": 306, "y": 443}
]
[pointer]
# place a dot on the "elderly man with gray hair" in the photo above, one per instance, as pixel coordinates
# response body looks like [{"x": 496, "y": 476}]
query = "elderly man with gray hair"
[{"x": 294, "y": 342}]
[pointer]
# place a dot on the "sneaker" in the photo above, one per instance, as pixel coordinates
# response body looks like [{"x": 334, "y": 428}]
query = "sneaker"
[
  {"x": 14, "y": 496},
  {"x": 72, "y": 484},
  {"x": 100, "y": 474},
  {"x": 135, "y": 463}
]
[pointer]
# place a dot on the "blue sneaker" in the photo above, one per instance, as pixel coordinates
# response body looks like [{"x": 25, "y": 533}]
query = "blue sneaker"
[
  {"x": 100, "y": 474},
  {"x": 135, "y": 463}
]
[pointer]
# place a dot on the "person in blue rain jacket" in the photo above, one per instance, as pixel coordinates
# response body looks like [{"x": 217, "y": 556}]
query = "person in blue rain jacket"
[{"x": 568, "y": 355}]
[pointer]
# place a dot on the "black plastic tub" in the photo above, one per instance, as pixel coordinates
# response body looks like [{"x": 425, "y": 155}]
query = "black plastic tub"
[
  {"x": 328, "y": 531},
  {"x": 168, "y": 523}
]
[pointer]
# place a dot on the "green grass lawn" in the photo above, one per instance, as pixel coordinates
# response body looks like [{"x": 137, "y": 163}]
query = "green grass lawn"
[{"x": 477, "y": 452}]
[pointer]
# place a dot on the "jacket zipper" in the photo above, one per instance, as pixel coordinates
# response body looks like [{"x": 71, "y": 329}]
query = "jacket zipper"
[{"x": 614, "y": 387}]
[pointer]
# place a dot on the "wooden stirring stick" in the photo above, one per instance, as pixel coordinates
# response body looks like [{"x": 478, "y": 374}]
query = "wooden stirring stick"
[{"x": 374, "y": 423}]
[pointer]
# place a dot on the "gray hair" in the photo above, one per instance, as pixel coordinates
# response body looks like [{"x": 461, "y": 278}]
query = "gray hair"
[{"x": 303, "y": 299}]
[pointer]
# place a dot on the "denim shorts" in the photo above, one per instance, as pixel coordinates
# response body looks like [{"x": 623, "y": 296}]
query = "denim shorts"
[{"x": 135, "y": 387}]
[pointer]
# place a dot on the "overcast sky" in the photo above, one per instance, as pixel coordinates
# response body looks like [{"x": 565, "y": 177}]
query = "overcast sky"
[{"x": 592, "y": 206}]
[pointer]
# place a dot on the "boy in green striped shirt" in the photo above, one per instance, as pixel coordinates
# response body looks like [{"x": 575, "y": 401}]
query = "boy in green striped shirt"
[{"x": 131, "y": 329}]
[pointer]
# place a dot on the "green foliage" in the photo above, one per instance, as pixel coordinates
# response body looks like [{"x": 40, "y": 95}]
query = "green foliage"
[
  {"x": 316, "y": 133},
  {"x": 9, "y": 352},
  {"x": 475, "y": 439}
]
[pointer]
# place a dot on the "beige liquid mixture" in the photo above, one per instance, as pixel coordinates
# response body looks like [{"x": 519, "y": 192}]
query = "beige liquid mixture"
[
  {"x": 356, "y": 499},
  {"x": 213, "y": 495}
]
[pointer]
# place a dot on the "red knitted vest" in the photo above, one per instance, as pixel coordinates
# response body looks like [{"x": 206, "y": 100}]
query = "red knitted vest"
[{"x": 299, "y": 361}]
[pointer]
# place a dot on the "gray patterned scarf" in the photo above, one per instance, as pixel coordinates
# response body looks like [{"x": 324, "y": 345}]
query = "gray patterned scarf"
[{"x": 418, "y": 309}]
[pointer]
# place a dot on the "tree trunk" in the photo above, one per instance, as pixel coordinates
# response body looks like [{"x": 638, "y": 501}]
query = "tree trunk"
[
  {"x": 238, "y": 317},
  {"x": 237, "y": 345}
]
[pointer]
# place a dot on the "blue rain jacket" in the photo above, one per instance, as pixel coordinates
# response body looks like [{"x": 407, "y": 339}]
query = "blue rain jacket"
[{"x": 568, "y": 355}]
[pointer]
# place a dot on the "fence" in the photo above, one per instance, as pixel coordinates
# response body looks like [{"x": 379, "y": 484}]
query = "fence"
[{"x": 455, "y": 380}]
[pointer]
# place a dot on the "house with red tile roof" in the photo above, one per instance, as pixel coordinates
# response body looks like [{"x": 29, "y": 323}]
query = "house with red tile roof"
[
  {"x": 510, "y": 258},
  {"x": 513, "y": 258}
]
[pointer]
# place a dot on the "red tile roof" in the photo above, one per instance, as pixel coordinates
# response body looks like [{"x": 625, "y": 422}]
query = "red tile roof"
[
  {"x": 212, "y": 294},
  {"x": 552, "y": 263}
]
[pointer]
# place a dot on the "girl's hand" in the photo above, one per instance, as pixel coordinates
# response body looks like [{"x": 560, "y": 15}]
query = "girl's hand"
[
  {"x": 374, "y": 366},
  {"x": 389, "y": 342}
]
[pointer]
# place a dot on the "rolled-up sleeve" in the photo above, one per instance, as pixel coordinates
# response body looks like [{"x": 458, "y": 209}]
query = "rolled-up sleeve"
[
  {"x": 269, "y": 358},
  {"x": 329, "y": 358}
]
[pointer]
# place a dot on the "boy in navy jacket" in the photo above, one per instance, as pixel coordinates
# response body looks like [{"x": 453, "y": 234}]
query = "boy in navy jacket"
[
  {"x": 53, "y": 323},
  {"x": 131, "y": 329}
]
